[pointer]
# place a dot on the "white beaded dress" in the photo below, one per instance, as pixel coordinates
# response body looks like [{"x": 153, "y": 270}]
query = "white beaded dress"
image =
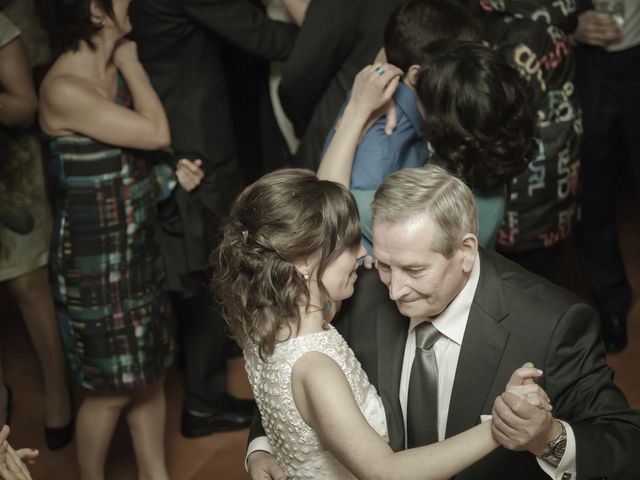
[{"x": 296, "y": 445}]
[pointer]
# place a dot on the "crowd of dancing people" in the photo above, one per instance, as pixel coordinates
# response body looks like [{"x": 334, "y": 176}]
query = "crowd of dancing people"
[{"x": 358, "y": 203}]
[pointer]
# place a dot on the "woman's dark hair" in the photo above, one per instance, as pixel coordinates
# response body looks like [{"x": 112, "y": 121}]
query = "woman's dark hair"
[
  {"x": 69, "y": 22},
  {"x": 285, "y": 216},
  {"x": 480, "y": 120},
  {"x": 417, "y": 23}
]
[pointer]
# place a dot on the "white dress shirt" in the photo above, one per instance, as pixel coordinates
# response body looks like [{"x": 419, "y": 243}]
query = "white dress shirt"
[{"x": 452, "y": 323}]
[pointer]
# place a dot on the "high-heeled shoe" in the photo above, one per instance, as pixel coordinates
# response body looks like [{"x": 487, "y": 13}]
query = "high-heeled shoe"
[
  {"x": 58, "y": 437},
  {"x": 8, "y": 406}
]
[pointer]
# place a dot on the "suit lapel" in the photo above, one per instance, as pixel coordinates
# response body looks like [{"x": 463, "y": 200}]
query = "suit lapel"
[
  {"x": 391, "y": 339},
  {"x": 482, "y": 350}
]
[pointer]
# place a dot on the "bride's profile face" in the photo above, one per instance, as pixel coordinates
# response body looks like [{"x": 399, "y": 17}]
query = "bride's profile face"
[{"x": 340, "y": 275}]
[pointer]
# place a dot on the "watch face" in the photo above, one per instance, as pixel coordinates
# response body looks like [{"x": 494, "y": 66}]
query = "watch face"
[{"x": 558, "y": 449}]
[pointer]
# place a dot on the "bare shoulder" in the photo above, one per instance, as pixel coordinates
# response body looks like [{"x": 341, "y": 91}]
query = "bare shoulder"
[
  {"x": 63, "y": 97},
  {"x": 62, "y": 87},
  {"x": 313, "y": 365}
]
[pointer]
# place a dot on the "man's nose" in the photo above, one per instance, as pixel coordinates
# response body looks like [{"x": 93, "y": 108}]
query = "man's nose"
[{"x": 397, "y": 285}]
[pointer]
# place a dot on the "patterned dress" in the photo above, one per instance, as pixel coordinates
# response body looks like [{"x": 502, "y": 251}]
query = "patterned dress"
[
  {"x": 22, "y": 187},
  {"x": 107, "y": 274},
  {"x": 296, "y": 445}
]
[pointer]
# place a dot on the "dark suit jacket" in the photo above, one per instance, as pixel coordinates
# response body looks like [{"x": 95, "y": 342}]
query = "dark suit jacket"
[
  {"x": 180, "y": 45},
  {"x": 337, "y": 39},
  {"x": 515, "y": 317}
]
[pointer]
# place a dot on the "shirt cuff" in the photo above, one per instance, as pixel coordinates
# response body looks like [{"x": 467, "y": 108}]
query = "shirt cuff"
[
  {"x": 566, "y": 469},
  {"x": 258, "y": 443}
]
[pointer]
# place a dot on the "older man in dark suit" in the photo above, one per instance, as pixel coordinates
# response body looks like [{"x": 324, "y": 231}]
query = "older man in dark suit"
[
  {"x": 180, "y": 44},
  {"x": 491, "y": 316}
]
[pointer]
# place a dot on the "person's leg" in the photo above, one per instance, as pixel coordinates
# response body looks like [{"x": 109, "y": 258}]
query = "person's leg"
[
  {"x": 4, "y": 399},
  {"x": 203, "y": 348},
  {"x": 97, "y": 419},
  {"x": 33, "y": 296},
  {"x": 207, "y": 407},
  {"x": 146, "y": 417},
  {"x": 629, "y": 101},
  {"x": 598, "y": 230}
]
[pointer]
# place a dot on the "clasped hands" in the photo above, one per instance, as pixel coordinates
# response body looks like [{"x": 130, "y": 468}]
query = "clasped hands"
[{"x": 522, "y": 418}]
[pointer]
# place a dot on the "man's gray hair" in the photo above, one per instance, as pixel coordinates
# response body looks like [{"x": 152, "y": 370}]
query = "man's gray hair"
[{"x": 430, "y": 189}]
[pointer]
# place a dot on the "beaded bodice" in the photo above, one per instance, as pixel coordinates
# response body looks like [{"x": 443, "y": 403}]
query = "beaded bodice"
[{"x": 296, "y": 445}]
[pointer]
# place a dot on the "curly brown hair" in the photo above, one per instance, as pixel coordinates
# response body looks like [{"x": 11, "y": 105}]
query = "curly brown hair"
[
  {"x": 480, "y": 119},
  {"x": 285, "y": 216}
]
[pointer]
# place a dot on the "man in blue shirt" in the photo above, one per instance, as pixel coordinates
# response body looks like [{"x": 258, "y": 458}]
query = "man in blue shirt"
[
  {"x": 409, "y": 30},
  {"x": 379, "y": 154}
]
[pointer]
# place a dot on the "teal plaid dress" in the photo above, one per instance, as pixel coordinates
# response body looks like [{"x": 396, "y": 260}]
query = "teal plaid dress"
[{"x": 107, "y": 273}]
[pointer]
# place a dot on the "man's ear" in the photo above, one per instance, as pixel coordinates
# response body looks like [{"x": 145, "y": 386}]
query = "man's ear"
[
  {"x": 468, "y": 249},
  {"x": 411, "y": 77}
]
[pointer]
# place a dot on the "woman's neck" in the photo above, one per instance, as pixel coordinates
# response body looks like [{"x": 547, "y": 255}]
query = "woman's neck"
[{"x": 96, "y": 64}]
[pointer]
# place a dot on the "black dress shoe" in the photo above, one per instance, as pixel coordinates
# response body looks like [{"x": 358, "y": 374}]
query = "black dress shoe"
[
  {"x": 236, "y": 415},
  {"x": 614, "y": 332}
]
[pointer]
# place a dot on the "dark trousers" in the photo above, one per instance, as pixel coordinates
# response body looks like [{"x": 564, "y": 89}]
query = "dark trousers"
[
  {"x": 206, "y": 347},
  {"x": 609, "y": 88}
]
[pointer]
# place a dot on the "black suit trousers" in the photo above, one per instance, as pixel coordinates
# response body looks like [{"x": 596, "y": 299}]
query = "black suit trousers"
[{"x": 609, "y": 88}]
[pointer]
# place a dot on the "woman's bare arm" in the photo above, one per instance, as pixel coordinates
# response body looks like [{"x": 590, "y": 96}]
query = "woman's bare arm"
[
  {"x": 371, "y": 90},
  {"x": 70, "y": 104},
  {"x": 18, "y": 101},
  {"x": 325, "y": 401}
]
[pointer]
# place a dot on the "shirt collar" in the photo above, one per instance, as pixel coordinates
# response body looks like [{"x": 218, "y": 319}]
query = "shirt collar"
[
  {"x": 407, "y": 100},
  {"x": 453, "y": 321}
]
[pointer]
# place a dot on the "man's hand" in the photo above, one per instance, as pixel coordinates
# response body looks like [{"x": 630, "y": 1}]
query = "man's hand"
[
  {"x": 521, "y": 416},
  {"x": 263, "y": 466},
  {"x": 597, "y": 29},
  {"x": 518, "y": 425}
]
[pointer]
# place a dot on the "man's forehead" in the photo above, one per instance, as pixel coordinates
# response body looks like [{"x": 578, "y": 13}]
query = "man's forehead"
[
  {"x": 406, "y": 230},
  {"x": 403, "y": 243}
]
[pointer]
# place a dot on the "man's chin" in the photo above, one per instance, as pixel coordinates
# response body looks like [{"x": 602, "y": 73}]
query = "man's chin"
[{"x": 408, "y": 308}]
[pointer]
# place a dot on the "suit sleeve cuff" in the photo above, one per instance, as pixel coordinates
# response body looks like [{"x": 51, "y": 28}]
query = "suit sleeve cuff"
[
  {"x": 566, "y": 469},
  {"x": 258, "y": 443}
]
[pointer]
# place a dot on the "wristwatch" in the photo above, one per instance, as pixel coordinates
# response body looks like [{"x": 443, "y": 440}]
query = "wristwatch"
[{"x": 555, "y": 449}]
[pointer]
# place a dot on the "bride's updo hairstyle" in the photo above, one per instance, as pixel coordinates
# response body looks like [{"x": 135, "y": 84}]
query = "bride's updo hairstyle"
[{"x": 286, "y": 216}]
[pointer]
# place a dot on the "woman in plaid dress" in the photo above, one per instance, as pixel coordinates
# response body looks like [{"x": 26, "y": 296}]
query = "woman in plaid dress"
[{"x": 108, "y": 279}]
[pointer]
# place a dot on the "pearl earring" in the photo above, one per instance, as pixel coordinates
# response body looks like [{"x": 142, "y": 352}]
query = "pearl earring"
[{"x": 305, "y": 276}]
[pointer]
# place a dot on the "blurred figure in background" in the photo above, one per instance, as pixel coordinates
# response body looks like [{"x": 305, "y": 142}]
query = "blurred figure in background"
[
  {"x": 336, "y": 40},
  {"x": 181, "y": 45},
  {"x": 608, "y": 80},
  {"x": 24, "y": 252}
]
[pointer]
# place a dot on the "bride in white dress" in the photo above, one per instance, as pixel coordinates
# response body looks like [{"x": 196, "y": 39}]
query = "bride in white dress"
[{"x": 288, "y": 257}]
